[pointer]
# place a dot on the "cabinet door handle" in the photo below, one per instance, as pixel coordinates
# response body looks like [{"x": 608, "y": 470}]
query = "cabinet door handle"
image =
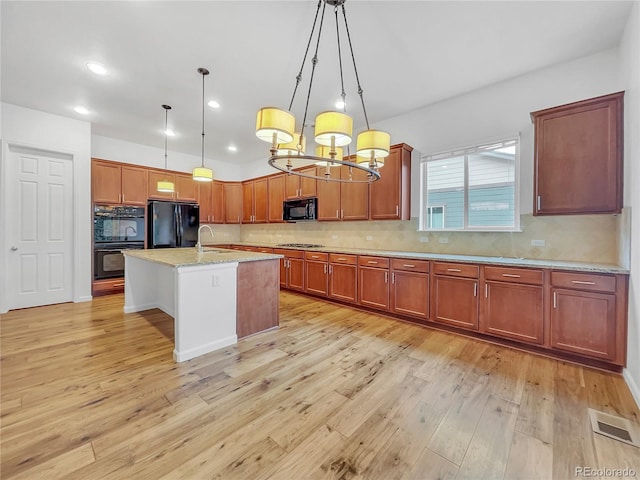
[
  {"x": 580, "y": 282},
  {"x": 118, "y": 284},
  {"x": 475, "y": 289},
  {"x": 337, "y": 214},
  {"x": 342, "y": 259},
  {"x": 342, "y": 213},
  {"x": 511, "y": 275},
  {"x": 325, "y": 268},
  {"x": 539, "y": 202},
  {"x": 372, "y": 262},
  {"x": 397, "y": 211},
  {"x": 555, "y": 300},
  {"x": 408, "y": 265},
  {"x": 330, "y": 269},
  {"x": 393, "y": 278},
  {"x": 314, "y": 256},
  {"x": 123, "y": 198},
  {"x": 486, "y": 291},
  {"x": 386, "y": 277},
  {"x": 453, "y": 270}
]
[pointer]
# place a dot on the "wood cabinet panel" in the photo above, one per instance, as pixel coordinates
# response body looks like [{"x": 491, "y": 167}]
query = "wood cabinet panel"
[
  {"x": 186, "y": 188},
  {"x": 454, "y": 301},
  {"x": 584, "y": 322},
  {"x": 217, "y": 202},
  {"x": 260, "y": 200},
  {"x": 317, "y": 277},
  {"x": 373, "y": 287},
  {"x": 300, "y": 187},
  {"x": 247, "y": 202},
  {"x": 390, "y": 197},
  {"x": 578, "y": 157},
  {"x": 517, "y": 275},
  {"x": 204, "y": 201},
  {"x": 514, "y": 311},
  {"x": 354, "y": 197},
  {"x": 276, "y": 186},
  {"x": 232, "y": 202},
  {"x": 134, "y": 186},
  {"x": 316, "y": 256},
  {"x": 410, "y": 294},
  {"x": 107, "y": 287},
  {"x": 584, "y": 281},
  {"x": 328, "y": 196},
  {"x": 410, "y": 265},
  {"x": 343, "y": 258},
  {"x": 105, "y": 182},
  {"x": 156, "y": 176},
  {"x": 343, "y": 281},
  {"x": 296, "y": 274},
  {"x": 258, "y": 281},
  {"x": 456, "y": 269}
]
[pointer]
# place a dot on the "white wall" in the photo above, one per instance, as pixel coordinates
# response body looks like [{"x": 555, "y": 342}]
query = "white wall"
[
  {"x": 35, "y": 129},
  {"x": 127, "y": 152},
  {"x": 630, "y": 66}
]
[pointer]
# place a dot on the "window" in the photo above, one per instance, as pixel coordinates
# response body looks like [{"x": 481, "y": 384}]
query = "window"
[{"x": 477, "y": 187}]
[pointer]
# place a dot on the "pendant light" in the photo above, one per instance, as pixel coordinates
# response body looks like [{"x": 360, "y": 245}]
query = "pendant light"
[
  {"x": 165, "y": 185},
  {"x": 202, "y": 173}
]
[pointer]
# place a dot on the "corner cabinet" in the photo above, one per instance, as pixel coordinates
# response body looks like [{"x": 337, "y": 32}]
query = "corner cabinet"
[
  {"x": 578, "y": 159},
  {"x": 390, "y": 197}
]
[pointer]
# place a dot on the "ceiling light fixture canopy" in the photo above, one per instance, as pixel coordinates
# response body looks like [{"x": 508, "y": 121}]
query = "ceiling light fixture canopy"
[
  {"x": 165, "y": 185},
  {"x": 202, "y": 173},
  {"x": 333, "y": 129}
]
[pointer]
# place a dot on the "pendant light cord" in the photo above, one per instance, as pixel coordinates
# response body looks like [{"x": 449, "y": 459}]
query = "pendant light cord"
[
  {"x": 166, "y": 124},
  {"x": 203, "y": 74}
]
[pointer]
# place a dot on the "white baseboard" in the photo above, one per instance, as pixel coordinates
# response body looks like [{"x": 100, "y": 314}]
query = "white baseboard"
[
  {"x": 139, "y": 308},
  {"x": 633, "y": 386},
  {"x": 202, "y": 349},
  {"x": 84, "y": 298}
]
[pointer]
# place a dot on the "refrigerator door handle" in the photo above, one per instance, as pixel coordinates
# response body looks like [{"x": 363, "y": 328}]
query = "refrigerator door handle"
[{"x": 178, "y": 214}]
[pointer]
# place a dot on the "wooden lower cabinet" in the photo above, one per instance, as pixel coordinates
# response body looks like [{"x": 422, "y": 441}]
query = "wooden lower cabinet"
[
  {"x": 316, "y": 277},
  {"x": 108, "y": 286},
  {"x": 373, "y": 282},
  {"x": 514, "y": 311},
  {"x": 584, "y": 322},
  {"x": 410, "y": 294},
  {"x": 454, "y": 301},
  {"x": 291, "y": 269},
  {"x": 343, "y": 277}
]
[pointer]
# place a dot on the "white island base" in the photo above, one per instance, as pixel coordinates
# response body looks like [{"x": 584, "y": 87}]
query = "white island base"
[{"x": 200, "y": 298}]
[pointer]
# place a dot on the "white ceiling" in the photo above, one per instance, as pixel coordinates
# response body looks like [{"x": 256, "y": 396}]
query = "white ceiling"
[{"x": 409, "y": 54}]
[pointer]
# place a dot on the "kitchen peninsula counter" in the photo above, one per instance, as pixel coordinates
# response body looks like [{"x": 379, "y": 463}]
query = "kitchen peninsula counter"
[{"x": 206, "y": 294}]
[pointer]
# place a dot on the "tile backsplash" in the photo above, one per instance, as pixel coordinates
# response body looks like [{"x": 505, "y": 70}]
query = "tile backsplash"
[{"x": 581, "y": 238}]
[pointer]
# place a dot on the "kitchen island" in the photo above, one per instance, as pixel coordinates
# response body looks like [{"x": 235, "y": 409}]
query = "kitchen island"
[{"x": 215, "y": 297}]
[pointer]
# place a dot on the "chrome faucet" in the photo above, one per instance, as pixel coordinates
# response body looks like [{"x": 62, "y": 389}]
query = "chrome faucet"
[
  {"x": 199, "y": 246},
  {"x": 126, "y": 230}
]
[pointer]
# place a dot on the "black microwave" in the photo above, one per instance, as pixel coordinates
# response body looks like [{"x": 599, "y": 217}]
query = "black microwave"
[{"x": 298, "y": 210}]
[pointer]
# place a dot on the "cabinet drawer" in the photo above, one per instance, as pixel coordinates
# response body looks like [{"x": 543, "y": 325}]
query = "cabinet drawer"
[
  {"x": 289, "y": 253},
  {"x": 265, "y": 250},
  {"x": 515, "y": 275},
  {"x": 339, "y": 258},
  {"x": 317, "y": 256},
  {"x": 410, "y": 265},
  {"x": 373, "y": 262},
  {"x": 456, "y": 269},
  {"x": 584, "y": 281}
]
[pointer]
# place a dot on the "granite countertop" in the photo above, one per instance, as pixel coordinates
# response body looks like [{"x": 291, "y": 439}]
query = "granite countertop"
[
  {"x": 185, "y": 257},
  {"x": 486, "y": 260}
]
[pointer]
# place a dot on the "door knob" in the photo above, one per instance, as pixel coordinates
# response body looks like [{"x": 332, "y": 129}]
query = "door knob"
[{"x": 13, "y": 249}]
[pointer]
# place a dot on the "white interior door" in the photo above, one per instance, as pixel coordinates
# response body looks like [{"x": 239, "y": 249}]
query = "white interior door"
[{"x": 39, "y": 228}]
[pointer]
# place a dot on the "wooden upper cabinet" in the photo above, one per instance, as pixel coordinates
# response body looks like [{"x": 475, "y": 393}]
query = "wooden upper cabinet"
[
  {"x": 390, "y": 197},
  {"x": 106, "y": 182},
  {"x": 300, "y": 187},
  {"x": 232, "y": 202},
  {"x": 276, "y": 192},
  {"x": 578, "y": 157},
  {"x": 255, "y": 201},
  {"x": 328, "y": 195},
  {"x": 217, "y": 202},
  {"x": 354, "y": 197},
  {"x": 204, "y": 200},
  {"x": 186, "y": 188},
  {"x": 247, "y": 202},
  {"x": 156, "y": 176},
  {"x": 118, "y": 184}
]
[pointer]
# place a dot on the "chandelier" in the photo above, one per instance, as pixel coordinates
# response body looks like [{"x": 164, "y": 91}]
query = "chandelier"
[{"x": 332, "y": 129}]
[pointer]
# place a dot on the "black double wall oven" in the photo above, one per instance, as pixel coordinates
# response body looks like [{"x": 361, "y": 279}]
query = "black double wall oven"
[{"x": 115, "y": 228}]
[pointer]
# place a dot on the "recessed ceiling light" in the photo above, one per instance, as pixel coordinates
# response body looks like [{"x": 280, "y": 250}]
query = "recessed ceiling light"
[
  {"x": 232, "y": 148},
  {"x": 81, "y": 110},
  {"x": 169, "y": 133},
  {"x": 97, "y": 68},
  {"x": 340, "y": 104},
  {"x": 213, "y": 104}
]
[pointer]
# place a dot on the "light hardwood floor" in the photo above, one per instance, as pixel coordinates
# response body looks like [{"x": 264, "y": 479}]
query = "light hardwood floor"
[{"x": 91, "y": 393}]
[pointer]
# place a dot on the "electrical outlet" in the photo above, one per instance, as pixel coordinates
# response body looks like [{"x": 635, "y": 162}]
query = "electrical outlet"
[
  {"x": 369, "y": 237},
  {"x": 443, "y": 239},
  {"x": 538, "y": 243},
  {"x": 424, "y": 239}
]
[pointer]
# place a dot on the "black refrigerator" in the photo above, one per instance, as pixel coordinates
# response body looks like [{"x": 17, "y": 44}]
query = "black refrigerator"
[{"x": 172, "y": 224}]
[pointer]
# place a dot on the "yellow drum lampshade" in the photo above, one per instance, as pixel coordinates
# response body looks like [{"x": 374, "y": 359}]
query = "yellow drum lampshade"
[
  {"x": 272, "y": 120},
  {"x": 292, "y": 146},
  {"x": 333, "y": 124},
  {"x": 373, "y": 142},
  {"x": 165, "y": 186},
  {"x": 202, "y": 174},
  {"x": 322, "y": 151}
]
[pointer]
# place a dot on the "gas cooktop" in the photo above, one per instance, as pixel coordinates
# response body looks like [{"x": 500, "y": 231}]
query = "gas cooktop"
[{"x": 299, "y": 245}]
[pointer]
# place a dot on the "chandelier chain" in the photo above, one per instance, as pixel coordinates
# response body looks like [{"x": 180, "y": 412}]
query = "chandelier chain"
[
  {"x": 304, "y": 59},
  {"x": 314, "y": 62},
  {"x": 355, "y": 69}
]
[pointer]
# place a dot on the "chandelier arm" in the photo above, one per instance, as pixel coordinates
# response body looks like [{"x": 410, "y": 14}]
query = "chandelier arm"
[
  {"x": 343, "y": 94},
  {"x": 314, "y": 62},
  {"x": 372, "y": 174},
  {"x": 355, "y": 69},
  {"x": 304, "y": 59}
]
